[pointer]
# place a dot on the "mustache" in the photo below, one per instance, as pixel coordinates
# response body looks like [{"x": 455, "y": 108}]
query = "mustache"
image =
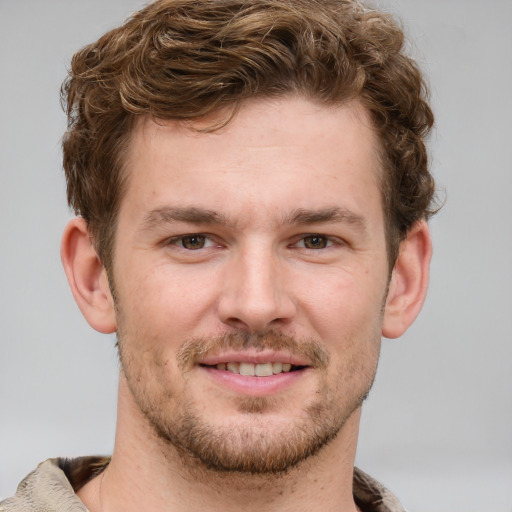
[{"x": 195, "y": 349}]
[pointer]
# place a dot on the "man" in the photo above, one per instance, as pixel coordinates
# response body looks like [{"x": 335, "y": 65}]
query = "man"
[{"x": 252, "y": 189}]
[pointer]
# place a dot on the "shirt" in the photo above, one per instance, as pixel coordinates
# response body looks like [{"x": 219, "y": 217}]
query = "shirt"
[{"x": 52, "y": 486}]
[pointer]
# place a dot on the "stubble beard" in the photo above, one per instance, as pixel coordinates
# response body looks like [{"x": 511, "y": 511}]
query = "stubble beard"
[{"x": 248, "y": 447}]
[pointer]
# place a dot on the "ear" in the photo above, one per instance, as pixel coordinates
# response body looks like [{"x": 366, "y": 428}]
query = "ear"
[
  {"x": 409, "y": 281},
  {"x": 87, "y": 277}
]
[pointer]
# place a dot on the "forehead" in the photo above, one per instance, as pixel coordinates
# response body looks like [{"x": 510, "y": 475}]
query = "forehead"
[{"x": 270, "y": 153}]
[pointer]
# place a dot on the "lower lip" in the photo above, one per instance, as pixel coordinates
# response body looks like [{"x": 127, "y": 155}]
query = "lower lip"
[{"x": 254, "y": 386}]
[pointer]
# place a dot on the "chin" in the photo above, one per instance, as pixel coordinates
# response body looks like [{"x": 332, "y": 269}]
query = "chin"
[{"x": 256, "y": 441}]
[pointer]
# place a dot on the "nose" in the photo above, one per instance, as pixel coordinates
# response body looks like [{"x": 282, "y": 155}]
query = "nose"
[{"x": 255, "y": 294}]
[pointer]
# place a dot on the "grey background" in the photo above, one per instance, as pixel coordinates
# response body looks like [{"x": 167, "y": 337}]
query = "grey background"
[{"x": 437, "y": 428}]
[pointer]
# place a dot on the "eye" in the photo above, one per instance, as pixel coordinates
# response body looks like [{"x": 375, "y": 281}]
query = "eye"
[
  {"x": 192, "y": 242},
  {"x": 314, "y": 242}
]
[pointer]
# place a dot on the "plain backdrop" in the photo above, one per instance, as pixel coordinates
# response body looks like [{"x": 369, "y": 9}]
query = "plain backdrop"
[{"x": 437, "y": 428}]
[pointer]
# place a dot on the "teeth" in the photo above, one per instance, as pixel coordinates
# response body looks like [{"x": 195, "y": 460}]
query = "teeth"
[
  {"x": 259, "y": 370},
  {"x": 247, "y": 369},
  {"x": 277, "y": 368},
  {"x": 233, "y": 367},
  {"x": 264, "y": 370}
]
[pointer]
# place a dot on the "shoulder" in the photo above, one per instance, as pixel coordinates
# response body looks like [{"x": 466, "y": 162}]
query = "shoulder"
[
  {"x": 372, "y": 496},
  {"x": 52, "y": 485}
]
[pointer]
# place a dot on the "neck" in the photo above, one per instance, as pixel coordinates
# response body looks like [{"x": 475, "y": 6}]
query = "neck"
[{"x": 146, "y": 473}]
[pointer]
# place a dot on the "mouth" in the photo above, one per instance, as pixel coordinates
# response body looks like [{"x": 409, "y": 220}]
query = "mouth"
[
  {"x": 255, "y": 373},
  {"x": 267, "y": 369}
]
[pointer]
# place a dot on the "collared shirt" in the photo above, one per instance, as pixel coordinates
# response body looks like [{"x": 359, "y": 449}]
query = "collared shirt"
[{"x": 52, "y": 486}]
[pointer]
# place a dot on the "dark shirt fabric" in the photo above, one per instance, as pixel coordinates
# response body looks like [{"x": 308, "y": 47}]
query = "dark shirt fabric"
[{"x": 52, "y": 487}]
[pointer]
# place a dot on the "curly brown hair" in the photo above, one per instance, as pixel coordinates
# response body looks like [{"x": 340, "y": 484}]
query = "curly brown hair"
[{"x": 184, "y": 59}]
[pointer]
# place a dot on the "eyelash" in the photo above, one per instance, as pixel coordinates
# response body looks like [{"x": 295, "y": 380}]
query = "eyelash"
[
  {"x": 329, "y": 242},
  {"x": 181, "y": 240}
]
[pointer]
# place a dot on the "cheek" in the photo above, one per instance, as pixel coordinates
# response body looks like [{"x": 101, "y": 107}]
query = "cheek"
[
  {"x": 343, "y": 306},
  {"x": 347, "y": 319},
  {"x": 164, "y": 306}
]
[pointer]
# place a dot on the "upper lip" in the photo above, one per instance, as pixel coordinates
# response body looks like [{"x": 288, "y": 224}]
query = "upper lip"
[{"x": 254, "y": 357}]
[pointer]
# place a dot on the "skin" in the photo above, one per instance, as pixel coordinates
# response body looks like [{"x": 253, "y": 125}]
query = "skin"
[{"x": 271, "y": 227}]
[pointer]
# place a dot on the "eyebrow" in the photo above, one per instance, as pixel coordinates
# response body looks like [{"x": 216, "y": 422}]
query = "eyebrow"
[
  {"x": 334, "y": 214},
  {"x": 196, "y": 215},
  {"x": 191, "y": 215}
]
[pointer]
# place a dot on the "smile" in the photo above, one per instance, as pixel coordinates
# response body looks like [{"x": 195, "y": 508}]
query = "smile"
[
  {"x": 255, "y": 374},
  {"x": 256, "y": 370}
]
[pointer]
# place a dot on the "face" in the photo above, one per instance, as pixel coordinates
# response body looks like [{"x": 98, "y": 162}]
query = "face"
[{"x": 250, "y": 275}]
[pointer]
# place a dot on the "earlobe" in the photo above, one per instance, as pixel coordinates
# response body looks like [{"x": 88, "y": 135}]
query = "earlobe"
[
  {"x": 87, "y": 277},
  {"x": 409, "y": 281}
]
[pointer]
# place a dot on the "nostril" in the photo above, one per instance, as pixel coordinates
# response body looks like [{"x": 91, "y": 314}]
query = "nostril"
[
  {"x": 254, "y": 302},
  {"x": 238, "y": 324}
]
